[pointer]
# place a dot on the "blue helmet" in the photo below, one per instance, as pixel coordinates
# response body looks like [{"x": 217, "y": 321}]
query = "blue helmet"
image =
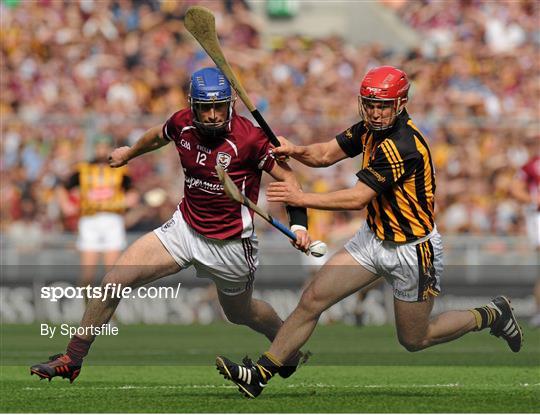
[{"x": 210, "y": 89}]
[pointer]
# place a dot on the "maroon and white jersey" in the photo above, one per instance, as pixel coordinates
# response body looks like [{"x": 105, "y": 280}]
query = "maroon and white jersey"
[
  {"x": 530, "y": 174},
  {"x": 243, "y": 153}
]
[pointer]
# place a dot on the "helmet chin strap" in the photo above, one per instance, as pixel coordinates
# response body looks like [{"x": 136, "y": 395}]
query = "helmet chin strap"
[
  {"x": 400, "y": 105},
  {"x": 212, "y": 130}
]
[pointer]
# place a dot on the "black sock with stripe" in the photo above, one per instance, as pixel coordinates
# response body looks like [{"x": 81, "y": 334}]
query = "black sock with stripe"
[
  {"x": 485, "y": 316},
  {"x": 268, "y": 366}
]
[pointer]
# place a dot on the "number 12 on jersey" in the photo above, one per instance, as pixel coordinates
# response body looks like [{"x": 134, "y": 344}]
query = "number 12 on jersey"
[{"x": 201, "y": 158}]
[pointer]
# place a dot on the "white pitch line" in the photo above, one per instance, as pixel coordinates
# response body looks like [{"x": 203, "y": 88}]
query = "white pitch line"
[
  {"x": 324, "y": 385},
  {"x": 299, "y": 385},
  {"x": 128, "y": 387},
  {"x": 436, "y": 385}
]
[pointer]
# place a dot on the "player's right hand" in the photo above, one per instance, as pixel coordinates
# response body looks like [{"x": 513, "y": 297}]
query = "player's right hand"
[
  {"x": 303, "y": 241},
  {"x": 285, "y": 150},
  {"x": 119, "y": 156}
]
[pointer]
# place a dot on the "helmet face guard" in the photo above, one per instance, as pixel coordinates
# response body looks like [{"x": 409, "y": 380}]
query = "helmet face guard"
[
  {"x": 389, "y": 110},
  {"x": 383, "y": 96},
  {"x": 211, "y": 102},
  {"x": 215, "y": 108}
]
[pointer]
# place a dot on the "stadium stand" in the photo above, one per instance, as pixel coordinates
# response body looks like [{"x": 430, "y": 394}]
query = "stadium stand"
[{"x": 74, "y": 72}]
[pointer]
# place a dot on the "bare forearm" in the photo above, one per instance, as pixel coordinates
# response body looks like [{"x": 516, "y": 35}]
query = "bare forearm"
[
  {"x": 313, "y": 155},
  {"x": 355, "y": 198},
  {"x": 151, "y": 140},
  {"x": 339, "y": 200},
  {"x": 282, "y": 172}
]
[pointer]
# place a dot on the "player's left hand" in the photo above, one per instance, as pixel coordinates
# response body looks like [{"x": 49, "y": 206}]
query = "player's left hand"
[
  {"x": 284, "y": 192},
  {"x": 303, "y": 241},
  {"x": 119, "y": 156}
]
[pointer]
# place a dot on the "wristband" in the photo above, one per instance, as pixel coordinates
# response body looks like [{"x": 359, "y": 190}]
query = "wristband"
[
  {"x": 295, "y": 228},
  {"x": 297, "y": 216}
]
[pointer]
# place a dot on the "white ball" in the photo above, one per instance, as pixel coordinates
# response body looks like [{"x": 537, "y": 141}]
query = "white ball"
[
  {"x": 155, "y": 197},
  {"x": 318, "y": 249}
]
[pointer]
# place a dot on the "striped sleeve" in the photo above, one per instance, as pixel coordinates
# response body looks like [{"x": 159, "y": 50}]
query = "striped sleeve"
[
  {"x": 350, "y": 140},
  {"x": 389, "y": 165}
]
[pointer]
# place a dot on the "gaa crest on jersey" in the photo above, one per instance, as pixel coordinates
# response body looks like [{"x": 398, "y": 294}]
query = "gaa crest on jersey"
[{"x": 223, "y": 160}]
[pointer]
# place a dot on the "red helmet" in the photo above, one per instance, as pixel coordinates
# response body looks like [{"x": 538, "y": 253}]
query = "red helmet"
[{"x": 386, "y": 88}]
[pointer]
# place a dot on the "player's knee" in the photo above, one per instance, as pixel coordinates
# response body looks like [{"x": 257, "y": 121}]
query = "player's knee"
[
  {"x": 240, "y": 320},
  {"x": 311, "y": 303},
  {"x": 110, "y": 278},
  {"x": 413, "y": 344},
  {"x": 236, "y": 317},
  {"x": 114, "y": 278}
]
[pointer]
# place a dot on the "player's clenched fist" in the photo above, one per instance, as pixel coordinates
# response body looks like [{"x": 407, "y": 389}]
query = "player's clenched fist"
[
  {"x": 303, "y": 241},
  {"x": 284, "y": 192},
  {"x": 119, "y": 156},
  {"x": 285, "y": 150}
]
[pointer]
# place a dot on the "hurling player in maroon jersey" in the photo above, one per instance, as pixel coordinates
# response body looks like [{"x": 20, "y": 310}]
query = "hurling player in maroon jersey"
[{"x": 208, "y": 230}]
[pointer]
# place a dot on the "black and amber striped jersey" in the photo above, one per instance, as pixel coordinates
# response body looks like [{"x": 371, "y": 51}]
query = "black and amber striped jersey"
[
  {"x": 102, "y": 188},
  {"x": 397, "y": 164}
]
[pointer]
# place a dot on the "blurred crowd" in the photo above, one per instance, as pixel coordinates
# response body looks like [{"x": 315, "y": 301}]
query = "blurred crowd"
[{"x": 74, "y": 72}]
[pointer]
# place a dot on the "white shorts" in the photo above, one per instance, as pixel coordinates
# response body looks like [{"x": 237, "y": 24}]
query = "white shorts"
[
  {"x": 101, "y": 232},
  {"x": 230, "y": 263},
  {"x": 413, "y": 269}
]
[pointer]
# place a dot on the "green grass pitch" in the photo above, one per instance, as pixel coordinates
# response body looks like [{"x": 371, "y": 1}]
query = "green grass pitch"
[{"x": 170, "y": 369}]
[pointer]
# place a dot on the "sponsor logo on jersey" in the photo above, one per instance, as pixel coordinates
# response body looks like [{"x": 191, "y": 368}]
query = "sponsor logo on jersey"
[
  {"x": 223, "y": 160},
  {"x": 215, "y": 188},
  {"x": 204, "y": 149},
  {"x": 379, "y": 177},
  {"x": 101, "y": 193}
]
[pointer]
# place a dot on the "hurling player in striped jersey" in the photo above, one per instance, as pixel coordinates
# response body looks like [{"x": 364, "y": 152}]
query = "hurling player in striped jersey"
[{"x": 398, "y": 242}]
